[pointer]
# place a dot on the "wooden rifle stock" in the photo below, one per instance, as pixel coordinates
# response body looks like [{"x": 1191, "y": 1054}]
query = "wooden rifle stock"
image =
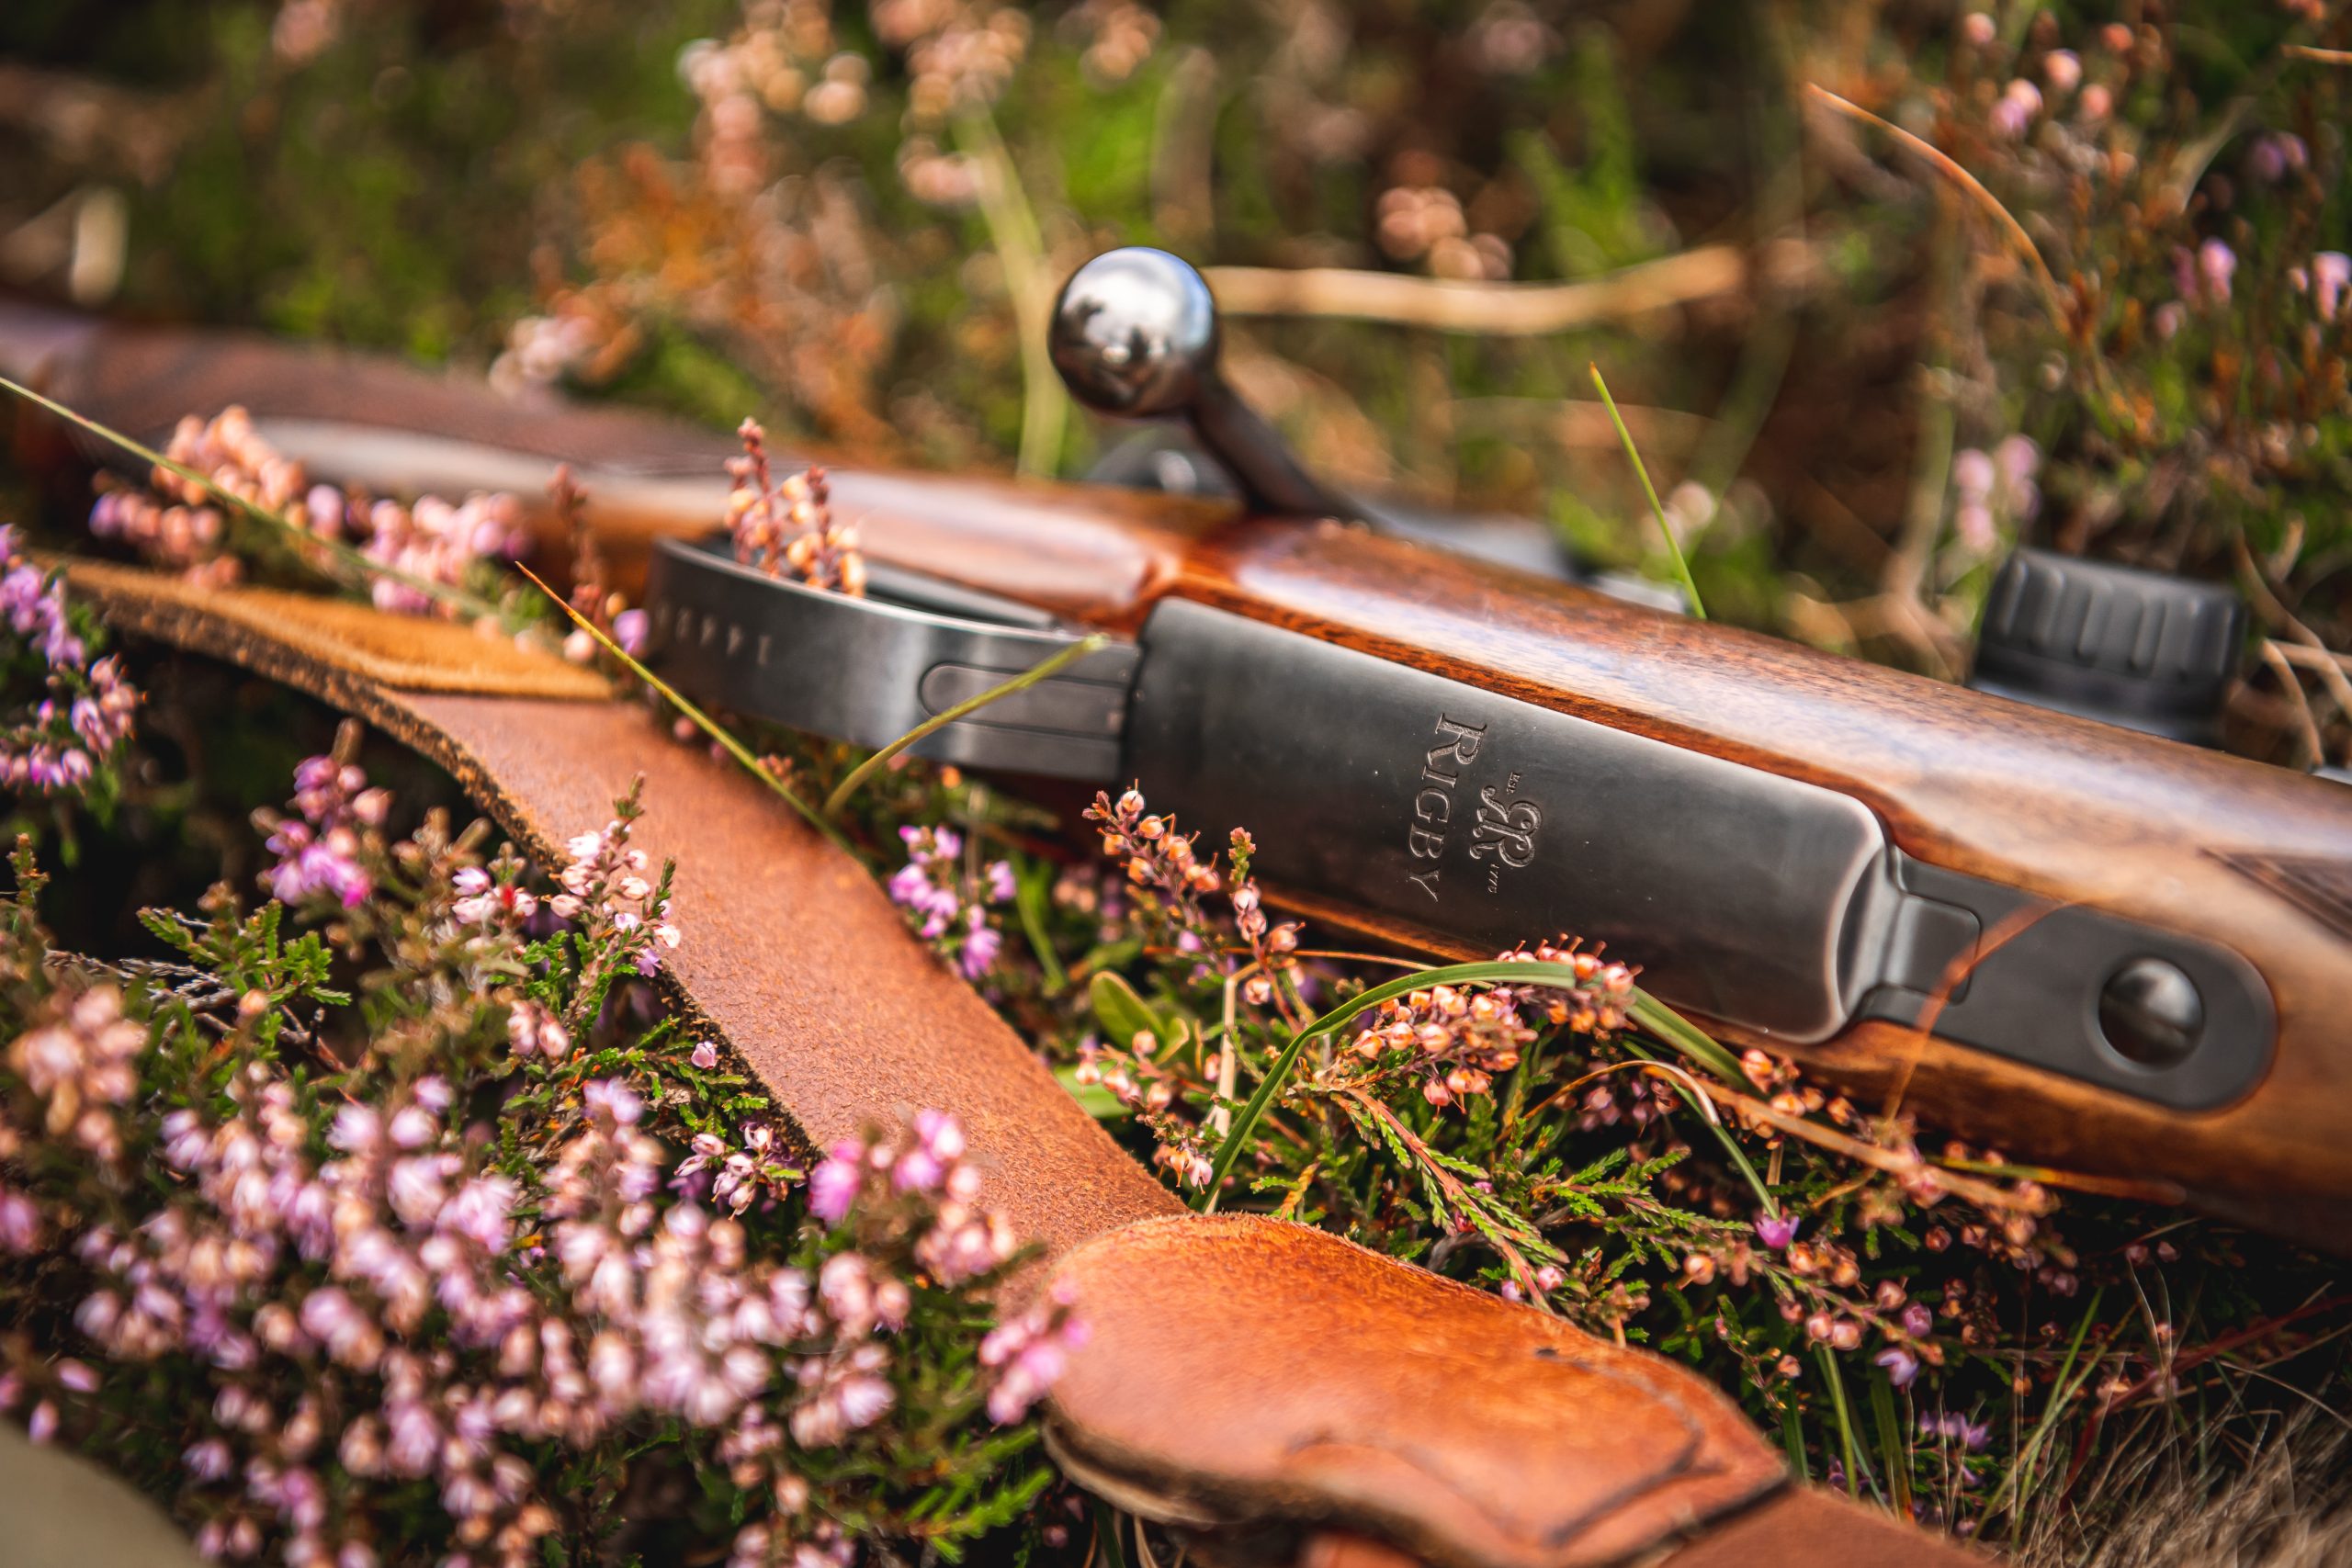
[{"x": 2245, "y": 856}]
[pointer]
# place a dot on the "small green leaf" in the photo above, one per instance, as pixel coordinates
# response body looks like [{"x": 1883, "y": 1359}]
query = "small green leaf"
[
  {"x": 1093, "y": 1098},
  {"x": 1124, "y": 1015}
]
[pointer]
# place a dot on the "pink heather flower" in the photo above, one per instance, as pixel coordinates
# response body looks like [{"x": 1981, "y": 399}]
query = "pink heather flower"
[
  {"x": 1917, "y": 1320},
  {"x": 320, "y": 853},
  {"x": 533, "y": 1031},
  {"x": 2274, "y": 157},
  {"x": 2020, "y": 102},
  {"x": 1972, "y": 474},
  {"x": 485, "y": 901},
  {"x": 208, "y": 1459},
  {"x": 436, "y": 542},
  {"x": 2062, "y": 69},
  {"x": 628, "y": 630},
  {"x": 704, "y": 1055},
  {"x": 1900, "y": 1365},
  {"x": 2096, "y": 104},
  {"x": 2216, "y": 262},
  {"x": 613, "y": 1101},
  {"x": 42, "y": 1424},
  {"x": 833, "y": 1185},
  {"x": 1777, "y": 1232},
  {"x": 2331, "y": 276},
  {"x": 1030, "y": 1354},
  {"x": 20, "y": 1222},
  {"x": 788, "y": 528},
  {"x": 1978, "y": 28}
]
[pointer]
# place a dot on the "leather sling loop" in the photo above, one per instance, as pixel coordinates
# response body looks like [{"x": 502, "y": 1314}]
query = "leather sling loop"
[{"x": 1263, "y": 1385}]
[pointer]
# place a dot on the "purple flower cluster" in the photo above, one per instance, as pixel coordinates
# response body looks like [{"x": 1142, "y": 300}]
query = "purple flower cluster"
[
  {"x": 1993, "y": 489},
  {"x": 86, "y": 711},
  {"x": 962, "y": 1241},
  {"x": 1970, "y": 1435},
  {"x": 950, "y": 899},
  {"x": 434, "y": 541},
  {"x": 789, "y": 526},
  {"x": 79, "y": 1060},
  {"x": 1030, "y": 1353},
  {"x": 606, "y": 892},
  {"x": 180, "y": 524},
  {"x": 755, "y": 1173},
  {"x": 320, "y": 853}
]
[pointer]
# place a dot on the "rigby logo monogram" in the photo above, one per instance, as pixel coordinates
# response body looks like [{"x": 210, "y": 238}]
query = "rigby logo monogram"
[
  {"x": 1503, "y": 830},
  {"x": 1506, "y": 829}
]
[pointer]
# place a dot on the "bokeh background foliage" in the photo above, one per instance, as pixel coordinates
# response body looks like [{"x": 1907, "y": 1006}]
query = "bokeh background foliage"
[{"x": 835, "y": 214}]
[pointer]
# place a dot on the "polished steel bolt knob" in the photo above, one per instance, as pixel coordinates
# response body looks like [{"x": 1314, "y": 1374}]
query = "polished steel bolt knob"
[{"x": 1135, "y": 333}]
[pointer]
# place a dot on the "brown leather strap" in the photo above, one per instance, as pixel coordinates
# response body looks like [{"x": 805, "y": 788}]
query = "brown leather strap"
[
  {"x": 1242, "y": 1375},
  {"x": 792, "y": 954},
  {"x": 1246, "y": 1373}
]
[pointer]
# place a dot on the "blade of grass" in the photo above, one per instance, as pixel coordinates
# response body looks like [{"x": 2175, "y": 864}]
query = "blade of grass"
[
  {"x": 1674, "y": 1029},
  {"x": 1857, "y": 1468},
  {"x": 1793, "y": 1441},
  {"x": 1020, "y": 246},
  {"x": 2062, "y": 1388},
  {"x": 1951, "y": 168},
  {"x": 695, "y": 716},
  {"x": 1893, "y": 1447},
  {"x": 1673, "y": 545},
  {"x": 303, "y": 538},
  {"x": 1732, "y": 1151},
  {"x": 1030, "y": 895},
  {"x": 1684, "y": 1038},
  {"x": 1094, "y": 642}
]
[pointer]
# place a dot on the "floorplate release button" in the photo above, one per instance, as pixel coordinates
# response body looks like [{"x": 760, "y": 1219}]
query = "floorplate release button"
[{"x": 2150, "y": 1011}]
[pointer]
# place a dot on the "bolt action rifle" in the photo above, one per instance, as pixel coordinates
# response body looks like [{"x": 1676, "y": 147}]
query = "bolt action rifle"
[{"x": 2056, "y": 925}]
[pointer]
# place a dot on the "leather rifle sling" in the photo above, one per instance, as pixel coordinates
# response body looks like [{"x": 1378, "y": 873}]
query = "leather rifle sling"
[{"x": 1272, "y": 1389}]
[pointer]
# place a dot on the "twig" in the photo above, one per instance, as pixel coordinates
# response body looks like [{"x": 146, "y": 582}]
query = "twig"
[
  {"x": 1983, "y": 1194},
  {"x": 2331, "y": 670},
  {"x": 1494, "y": 310},
  {"x": 1962, "y": 964},
  {"x": 1094, "y": 642},
  {"x": 2322, "y": 56},
  {"x": 2276, "y": 654},
  {"x": 1951, "y": 169}
]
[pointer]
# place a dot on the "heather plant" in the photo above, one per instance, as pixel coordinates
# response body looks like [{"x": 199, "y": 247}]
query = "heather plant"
[
  {"x": 2147, "y": 354},
  {"x": 69, "y": 707},
  {"x": 1917, "y": 1318},
  {"x": 393, "y": 1218}
]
